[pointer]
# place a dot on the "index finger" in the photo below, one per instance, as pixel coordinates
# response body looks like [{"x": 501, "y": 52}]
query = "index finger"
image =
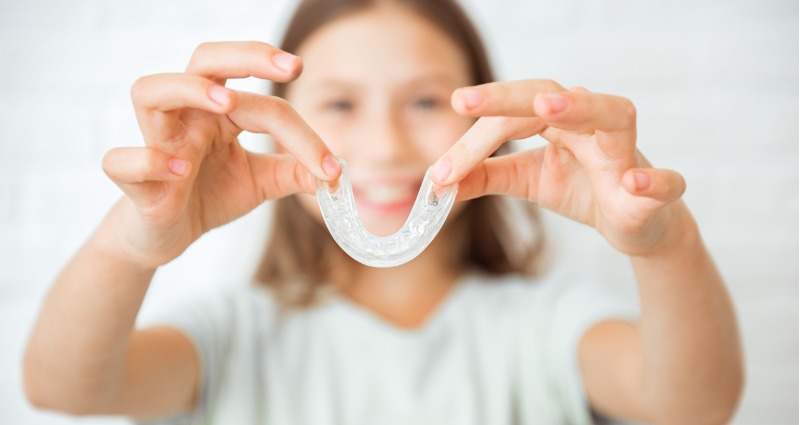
[
  {"x": 502, "y": 98},
  {"x": 241, "y": 59},
  {"x": 574, "y": 109},
  {"x": 273, "y": 115},
  {"x": 478, "y": 143}
]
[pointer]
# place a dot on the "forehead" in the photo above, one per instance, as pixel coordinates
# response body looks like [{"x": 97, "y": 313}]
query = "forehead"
[{"x": 382, "y": 43}]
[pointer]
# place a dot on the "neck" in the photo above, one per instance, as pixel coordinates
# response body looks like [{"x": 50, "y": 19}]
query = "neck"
[{"x": 406, "y": 295}]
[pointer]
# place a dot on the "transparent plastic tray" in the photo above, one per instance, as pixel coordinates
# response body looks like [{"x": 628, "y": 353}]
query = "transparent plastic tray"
[{"x": 425, "y": 220}]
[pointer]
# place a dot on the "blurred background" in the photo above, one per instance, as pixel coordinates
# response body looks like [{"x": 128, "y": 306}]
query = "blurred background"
[{"x": 715, "y": 84}]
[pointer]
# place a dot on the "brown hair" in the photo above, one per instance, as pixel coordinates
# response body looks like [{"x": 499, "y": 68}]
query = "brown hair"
[{"x": 301, "y": 256}]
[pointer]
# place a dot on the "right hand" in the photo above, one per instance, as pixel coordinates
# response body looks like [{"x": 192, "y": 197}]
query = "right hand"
[{"x": 193, "y": 175}]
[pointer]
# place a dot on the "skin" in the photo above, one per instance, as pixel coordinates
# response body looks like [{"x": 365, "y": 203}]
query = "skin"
[
  {"x": 680, "y": 364},
  {"x": 385, "y": 108}
]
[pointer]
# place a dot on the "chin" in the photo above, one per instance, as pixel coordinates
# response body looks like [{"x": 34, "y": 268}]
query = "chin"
[{"x": 383, "y": 226}]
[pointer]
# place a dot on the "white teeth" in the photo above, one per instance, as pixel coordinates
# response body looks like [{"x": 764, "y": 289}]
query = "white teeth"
[{"x": 387, "y": 194}]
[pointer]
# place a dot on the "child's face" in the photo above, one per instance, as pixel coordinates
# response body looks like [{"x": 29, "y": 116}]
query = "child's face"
[{"x": 376, "y": 87}]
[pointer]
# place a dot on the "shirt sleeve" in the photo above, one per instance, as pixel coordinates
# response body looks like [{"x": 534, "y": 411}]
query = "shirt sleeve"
[
  {"x": 206, "y": 321},
  {"x": 555, "y": 314},
  {"x": 578, "y": 305}
]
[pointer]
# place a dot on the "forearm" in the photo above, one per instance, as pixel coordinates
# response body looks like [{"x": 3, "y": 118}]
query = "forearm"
[
  {"x": 692, "y": 355},
  {"x": 74, "y": 355}
]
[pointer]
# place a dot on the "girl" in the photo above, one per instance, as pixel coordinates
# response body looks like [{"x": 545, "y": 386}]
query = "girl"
[{"x": 466, "y": 332}]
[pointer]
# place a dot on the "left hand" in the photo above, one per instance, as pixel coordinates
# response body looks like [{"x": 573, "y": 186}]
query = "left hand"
[{"x": 591, "y": 171}]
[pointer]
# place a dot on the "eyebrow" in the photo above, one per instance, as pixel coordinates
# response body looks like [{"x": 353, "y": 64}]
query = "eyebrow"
[{"x": 340, "y": 83}]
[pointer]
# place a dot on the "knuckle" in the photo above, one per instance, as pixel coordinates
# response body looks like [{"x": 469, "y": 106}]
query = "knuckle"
[
  {"x": 629, "y": 110},
  {"x": 552, "y": 85},
  {"x": 681, "y": 183},
  {"x": 279, "y": 103},
  {"x": 485, "y": 181},
  {"x": 277, "y": 107},
  {"x": 512, "y": 128},
  {"x": 108, "y": 163},
  {"x": 201, "y": 54},
  {"x": 503, "y": 125},
  {"x": 202, "y": 48},
  {"x": 463, "y": 152},
  {"x": 289, "y": 181},
  {"x": 304, "y": 180},
  {"x": 139, "y": 87},
  {"x": 499, "y": 90},
  {"x": 150, "y": 163},
  {"x": 258, "y": 48},
  {"x": 464, "y": 156},
  {"x": 589, "y": 106}
]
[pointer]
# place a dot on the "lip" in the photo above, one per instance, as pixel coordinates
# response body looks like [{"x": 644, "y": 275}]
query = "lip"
[{"x": 394, "y": 207}]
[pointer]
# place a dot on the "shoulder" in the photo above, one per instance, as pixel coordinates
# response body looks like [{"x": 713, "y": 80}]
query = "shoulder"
[
  {"x": 542, "y": 321},
  {"x": 222, "y": 311},
  {"x": 554, "y": 298}
]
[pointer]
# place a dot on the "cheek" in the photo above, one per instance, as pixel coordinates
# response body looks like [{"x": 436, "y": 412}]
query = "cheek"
[
  {"x": 436, "y": 139},
  {"x": 334, "y": 134}
]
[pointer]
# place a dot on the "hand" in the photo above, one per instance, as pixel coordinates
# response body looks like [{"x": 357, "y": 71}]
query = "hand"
[
  {"x": 590, "y": 171},
  {"x": 193, "y": 175}
]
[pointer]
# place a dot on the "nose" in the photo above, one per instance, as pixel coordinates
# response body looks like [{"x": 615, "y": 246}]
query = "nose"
[{"x": 387, "y": 139}]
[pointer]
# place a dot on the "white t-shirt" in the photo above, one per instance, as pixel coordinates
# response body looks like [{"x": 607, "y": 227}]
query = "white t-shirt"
[{"x": 496, "y": 351}]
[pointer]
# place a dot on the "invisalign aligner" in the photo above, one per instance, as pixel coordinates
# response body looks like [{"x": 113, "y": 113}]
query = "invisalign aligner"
[{"x": 426, "y": 219}]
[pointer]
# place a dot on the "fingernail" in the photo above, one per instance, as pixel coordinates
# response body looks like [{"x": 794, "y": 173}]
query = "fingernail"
[
  {"x": 285, "y": 61},
  {"x": 642, "y": 180},
  {"x": 219, "y": 94},
  {"x": 472, "y": 98},
  {"x": 178, "y": 166},
  {"x": 441, "y": 170},
  {"x": 556, "y": 102},
  {"x": 331, "y": 166}
]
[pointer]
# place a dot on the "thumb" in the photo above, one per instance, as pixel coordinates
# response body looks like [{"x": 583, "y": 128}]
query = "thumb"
[
  {"x": 653, "y": 188},
  {"x": 511, "y": 175},
  {"x": 279, "y": 175}
]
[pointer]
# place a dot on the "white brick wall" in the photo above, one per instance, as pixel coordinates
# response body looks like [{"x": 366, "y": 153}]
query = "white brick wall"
[{"x": 715, "y": 83}]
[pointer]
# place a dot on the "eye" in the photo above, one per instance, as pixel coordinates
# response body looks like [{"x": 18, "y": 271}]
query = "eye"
[
  {"x": 340, "y": 105},
  {"x": 425, "y": 103}
]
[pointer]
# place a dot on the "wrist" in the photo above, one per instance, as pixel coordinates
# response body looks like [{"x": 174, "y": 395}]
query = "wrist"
[
  {"x": 679, "y": 236},
  {"x": 110, "y": 241}
]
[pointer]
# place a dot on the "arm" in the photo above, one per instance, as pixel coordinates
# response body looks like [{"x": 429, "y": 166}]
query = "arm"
[
  {"x": 683, "y": 363},
  {"x": 84, "y": 355},
  {"x": 192, "y": 176},
  {"x": 686, "y": 349}
]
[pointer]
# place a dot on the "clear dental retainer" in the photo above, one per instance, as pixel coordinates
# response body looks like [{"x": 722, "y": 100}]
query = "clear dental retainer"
[{"x": 426, "y": 219}]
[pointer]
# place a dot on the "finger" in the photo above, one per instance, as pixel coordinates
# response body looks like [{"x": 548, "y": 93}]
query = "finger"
[
  {"x": 242, "y": 59},
  {"x": 168, "y": 92},
  {"x": 478, "y": 143},
  {"x": 137, "y": 165},
  {"x": 156, "y": 98},
  {"x": 664, "y": 186},
  {"x": 512, "y": 98},
  {"x": 576, "y": 110},
  {"x": 280, "y": 175},
  {"x": 142, "y": 172},
  {"x": 273, "y": 115},
  {"x": 514, "y": 175}
]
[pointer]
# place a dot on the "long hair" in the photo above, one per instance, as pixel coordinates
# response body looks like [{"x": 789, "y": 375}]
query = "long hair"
[{"x": 489, "y": 235}]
